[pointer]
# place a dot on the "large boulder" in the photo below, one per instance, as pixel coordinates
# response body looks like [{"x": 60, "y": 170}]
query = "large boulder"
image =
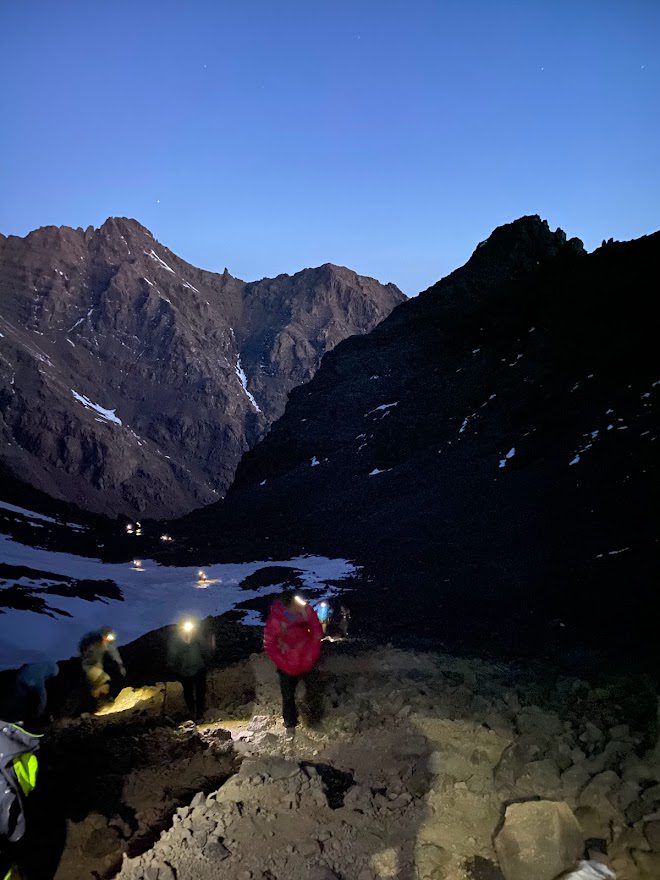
[{"x": 539, "y": 840}]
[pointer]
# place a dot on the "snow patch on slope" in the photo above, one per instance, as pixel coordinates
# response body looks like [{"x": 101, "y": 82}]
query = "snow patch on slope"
[
  {"x": 110, "y": 415},
  {"x": 382, "y": 408},
  {"x": 242, "y": 378},
  {"x": 33, "y": 515},
  {"x": 154, "y": 256},
  {"x": 508, "y": 456}
]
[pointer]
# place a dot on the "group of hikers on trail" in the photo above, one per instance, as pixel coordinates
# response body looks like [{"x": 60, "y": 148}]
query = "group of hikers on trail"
[
  {"x": 293, "y": 635},
  {"x": 293, "y": 632}
]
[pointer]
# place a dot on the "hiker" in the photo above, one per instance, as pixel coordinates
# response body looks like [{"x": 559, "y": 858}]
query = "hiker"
[
  {"x": 18, "y": 776},
  {"x": 31, "y": 681},
  {"x": 189, "y": 652},
  {"x": 323, "y": 614},
  {"x": 98, "y": 652},
  {"x": 292, "y": 640}
]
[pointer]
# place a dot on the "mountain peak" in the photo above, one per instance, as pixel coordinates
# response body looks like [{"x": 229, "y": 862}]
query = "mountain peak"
[
  {"x": 528, "y": 233},
  {"x": 122, "y": 225}
]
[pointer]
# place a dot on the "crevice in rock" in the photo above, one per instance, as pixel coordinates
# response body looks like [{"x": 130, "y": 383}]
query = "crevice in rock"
[{"x": 335, "y": 782}]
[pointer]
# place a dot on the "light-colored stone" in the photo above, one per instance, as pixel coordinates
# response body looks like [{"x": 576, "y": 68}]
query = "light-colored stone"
[
  {"x": 386, "y": 863},
  {"x": 539, "y": 778},
  {"x": 450, "y": 763},
  {"x": 652, "y": 834},
  {"x": 647, "y": 861},
  {"x": 431, "y": 862},
  {"x": 539, "y": 840}
]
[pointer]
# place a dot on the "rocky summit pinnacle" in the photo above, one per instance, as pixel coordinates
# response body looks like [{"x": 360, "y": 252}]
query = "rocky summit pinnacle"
[{"x": 132, "y": 382}]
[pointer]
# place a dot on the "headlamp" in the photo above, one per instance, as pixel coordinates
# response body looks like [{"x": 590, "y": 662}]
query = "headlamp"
[
  {"x": 187, "y": 626},
  {"x": 110, "y": 637}
]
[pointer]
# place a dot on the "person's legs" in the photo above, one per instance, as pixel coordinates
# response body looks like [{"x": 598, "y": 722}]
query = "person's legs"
[
  {"x": 200, "y": 693},
  {"x": 288, "y": 688},
  {"x": 115, "y": 678},
  {"x": 99, "y": 682},
  {"x": 189, "y": 694}
]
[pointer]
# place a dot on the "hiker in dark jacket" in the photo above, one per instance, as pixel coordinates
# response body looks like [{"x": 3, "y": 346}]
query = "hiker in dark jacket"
[
  {"x": 31, "y": 690},
  {"x": 98, "y": 652},
  {"x": 189, "y": 652}
]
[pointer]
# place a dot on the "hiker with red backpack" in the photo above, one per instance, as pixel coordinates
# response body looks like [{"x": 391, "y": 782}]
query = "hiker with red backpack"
[{"x": 292, "y": 640}]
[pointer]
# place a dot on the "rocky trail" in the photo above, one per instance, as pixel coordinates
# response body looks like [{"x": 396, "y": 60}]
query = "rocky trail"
[{"x": 422, "y": 765}]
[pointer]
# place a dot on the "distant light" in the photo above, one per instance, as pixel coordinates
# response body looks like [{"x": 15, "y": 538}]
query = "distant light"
[
  {"x": 137, "y": 563},
  {"x": 201, "y": 575},
  {"x": 138, "y": 531},
  {"x": 324, "y": 604},
  {"x": 187, "y": 626},
  {"x": 129, "y": 529},
  {"x": 299, "y": 600},
  {"x": 165, "y": 538}
]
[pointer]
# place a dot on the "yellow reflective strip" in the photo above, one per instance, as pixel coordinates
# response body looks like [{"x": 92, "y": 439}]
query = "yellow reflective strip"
[
  {"x": 23, "y": 730},
  {"x": 25, "y": 768}
]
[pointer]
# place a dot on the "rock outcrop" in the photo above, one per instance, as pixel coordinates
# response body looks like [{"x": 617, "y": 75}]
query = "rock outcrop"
[
  {"x": 539, "y": 839},
  {"x": 132, "y": 382}
]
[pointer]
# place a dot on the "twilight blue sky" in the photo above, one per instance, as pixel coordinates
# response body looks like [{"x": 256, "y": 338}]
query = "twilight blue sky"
[{"x": 386, "y": 135}]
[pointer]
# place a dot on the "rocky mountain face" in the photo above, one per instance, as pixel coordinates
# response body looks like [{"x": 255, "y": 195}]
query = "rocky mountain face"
[
  {"x": 132, "y": 382},
  {"x": 488, "y": 452}
]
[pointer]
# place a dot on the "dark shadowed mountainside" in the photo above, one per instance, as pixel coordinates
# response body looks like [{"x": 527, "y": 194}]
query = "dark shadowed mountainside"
[
  {"x": 488, "y": 452},
  {"x": 132, "y": 382}
]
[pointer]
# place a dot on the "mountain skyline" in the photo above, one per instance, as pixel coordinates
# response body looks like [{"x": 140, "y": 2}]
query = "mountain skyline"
[{"x": 234, "y": 136}]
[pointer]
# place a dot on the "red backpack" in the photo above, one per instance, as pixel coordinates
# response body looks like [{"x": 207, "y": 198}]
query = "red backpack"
[{"x": 292, "y": 640}]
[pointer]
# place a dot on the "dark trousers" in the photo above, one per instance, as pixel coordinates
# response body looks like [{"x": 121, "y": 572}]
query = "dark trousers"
[
  {"x": 288, "y": 685},
  {"x": 194, "y": 692}
]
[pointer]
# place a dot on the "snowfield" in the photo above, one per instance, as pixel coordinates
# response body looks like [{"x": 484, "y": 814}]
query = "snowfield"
[{"x": 154, "y": 595}]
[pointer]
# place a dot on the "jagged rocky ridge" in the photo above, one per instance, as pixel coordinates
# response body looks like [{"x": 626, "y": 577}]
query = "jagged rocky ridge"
[
  {"x": 132, "y": 382},
  {"x": 488, "y": 452}
]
